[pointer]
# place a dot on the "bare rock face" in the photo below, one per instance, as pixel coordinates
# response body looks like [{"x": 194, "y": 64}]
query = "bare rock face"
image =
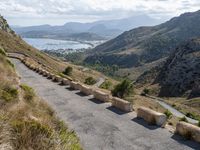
[{"x": 181, "y": 74}]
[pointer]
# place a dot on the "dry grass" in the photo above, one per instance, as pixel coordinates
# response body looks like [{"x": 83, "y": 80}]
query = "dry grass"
[{"x": 26, "y": 122}]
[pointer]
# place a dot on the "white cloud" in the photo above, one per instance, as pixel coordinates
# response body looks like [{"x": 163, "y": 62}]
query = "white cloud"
[{"x": 93, "y": 9}]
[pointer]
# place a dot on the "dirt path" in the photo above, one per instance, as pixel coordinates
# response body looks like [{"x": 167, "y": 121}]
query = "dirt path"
[{"x": 98, "y": 125}]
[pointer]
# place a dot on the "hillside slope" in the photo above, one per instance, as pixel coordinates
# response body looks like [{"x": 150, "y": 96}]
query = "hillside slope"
[
  {"x": 146, "y": 44},
  {"x": 180, "y": 74},
  {"x": 11, "y": 42},
  {"x": 26, "y": 122}
]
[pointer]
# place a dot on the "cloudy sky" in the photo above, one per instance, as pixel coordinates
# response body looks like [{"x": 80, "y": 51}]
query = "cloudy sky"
[{"x": 34, "y": 12}]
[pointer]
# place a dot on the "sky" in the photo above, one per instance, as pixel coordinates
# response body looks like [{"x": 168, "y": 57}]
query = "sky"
[{"x": 57, "y": 12}]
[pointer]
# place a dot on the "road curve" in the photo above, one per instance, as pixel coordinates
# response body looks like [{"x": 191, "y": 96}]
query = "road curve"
[
  {"x": 98, "y": 125},
  {"x": 174, "y": 111}
]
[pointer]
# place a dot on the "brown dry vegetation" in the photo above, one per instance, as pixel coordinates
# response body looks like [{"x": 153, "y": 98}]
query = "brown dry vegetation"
[{"x": 26, "y": 122}]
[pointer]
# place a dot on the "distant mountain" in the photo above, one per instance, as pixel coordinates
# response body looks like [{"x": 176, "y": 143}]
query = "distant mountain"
[
  {"x": 107, "y": 29},
  {"x": 146, "y": 44},
  {"x": 180, "y": 74}
]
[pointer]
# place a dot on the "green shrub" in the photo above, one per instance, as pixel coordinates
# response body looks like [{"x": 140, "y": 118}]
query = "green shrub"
[
  {"x": 90, "y": 81},
  {"x": 145, "y": 92},
  {"x": 106, "y": 85},
  {"x": 10, "y": 63},
  {"x": 8, "y": 93},
  {"x": 168, "y": 114},
  {"x": 190, "y": 115},
  {"x": 184, "y": 119},
  {"x": 2, "y": 52},
  {"x": 29, "y": 93},
  {"x": 68, "y": 71},
  {"x": 123, "y": 89}
]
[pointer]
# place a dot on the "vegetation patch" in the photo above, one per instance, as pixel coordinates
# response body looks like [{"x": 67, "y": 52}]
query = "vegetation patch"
[
  {"x": 123, "y": 89},
  {"x": 31, "y": 134},
  {"x": 68, "y": 71},
  {"x": 184, "y": 119},
  {"x": 8, "y": 93},
  {"x": 168, "y": 114},
  {"x": 2, "y": 52},
  {"x": 29, "y": 93},
  {"x": 90, "y": 81},
  {"x": 106, "y": 85}
]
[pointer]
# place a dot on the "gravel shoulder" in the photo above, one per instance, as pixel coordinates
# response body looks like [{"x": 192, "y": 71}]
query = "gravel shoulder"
[{"x": 98, "y": 125}]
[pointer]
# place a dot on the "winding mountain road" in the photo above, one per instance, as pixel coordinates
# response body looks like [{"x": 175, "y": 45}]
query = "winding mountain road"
[{"x": 98, "y": 125}]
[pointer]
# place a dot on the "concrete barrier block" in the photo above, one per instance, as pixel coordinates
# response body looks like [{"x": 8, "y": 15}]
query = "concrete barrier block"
[
  {"x": 40, "y": 71},
  {"x": 188, "y": 131},
  {"x": 74, "y": 85},
  {"x": 86, "y": 89},
  {"x": 65, "y": 81},
  {"x": 101, "y": 96},
  {"x": 45, "y": 73},
  {"x": 57, "y": 78},
  {"x": 122, "y": 104},
  {"x": 152, "y": 117},
  {"x": 50, "y": 76}
]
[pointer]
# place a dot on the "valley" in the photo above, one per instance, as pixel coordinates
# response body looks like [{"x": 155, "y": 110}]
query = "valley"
[{"x": 108, "y": 84}]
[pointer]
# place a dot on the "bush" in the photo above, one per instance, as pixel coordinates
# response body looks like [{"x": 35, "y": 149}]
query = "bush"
[
  {"x": 68, "y": 71},
  {"x": 29, "y": 93},
  {"x": 184, "y": 119},
  {"x": 168, "y": 114},
  {"x": 31, "y": 135},
  {"x": 106, "y": 85},
  {"x": 8, "y": 93},
  {"x": 90, "y": 81},
  {"x": 199, "y": 123},
  {"x": 145, "y": 92},
  {"x": 2, "y": 52},
  {"x": 123, "y": 89},
  {"x": 190, "y": 115}
]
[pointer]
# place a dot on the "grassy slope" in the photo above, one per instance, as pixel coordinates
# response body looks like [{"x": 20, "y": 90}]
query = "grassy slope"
[
  {"x": 26, "y": 122},
  {"x": 15, "y": 44}
]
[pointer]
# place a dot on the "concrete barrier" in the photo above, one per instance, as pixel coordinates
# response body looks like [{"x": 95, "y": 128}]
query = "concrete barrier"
[
  {"x": 40, "y": 71},
  {"x": 152, "y": 117},
  {"x": 45, "y": 73},
  {"x": 188, "y": 131},
  {"x": 57, "y": 78},
  {"x": 74, "y": 85},
  {"x": 122, "y": 104},
  {"x": 50, "y": 76},
  {"x": 86, "y": 89},
  {"x": 65, "y": 82},
  {"x": 36, "y": 69},
  {"x": 101, "y": 96}
]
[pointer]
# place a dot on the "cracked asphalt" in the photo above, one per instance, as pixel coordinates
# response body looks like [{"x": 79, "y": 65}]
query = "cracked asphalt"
[{"x": 98, "y": 125}]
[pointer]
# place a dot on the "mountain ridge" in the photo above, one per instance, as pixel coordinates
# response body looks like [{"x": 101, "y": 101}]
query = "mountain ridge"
[{"x": 146, "y": 44}]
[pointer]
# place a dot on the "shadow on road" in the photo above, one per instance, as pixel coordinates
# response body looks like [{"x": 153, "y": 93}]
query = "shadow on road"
[
  {"x": 145, "y": 124},
  {"x": 189, "y": 143},
  {"x": 81, "y": 94},
  {"x": 96, "y": 101},
  {"x": 116, "y": 110},
  {"x": 70, "y": 89}
]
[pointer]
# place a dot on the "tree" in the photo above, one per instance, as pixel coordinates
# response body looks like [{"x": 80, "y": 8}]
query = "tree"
[
  {"x": 123, "y": 89},
  {"x": 68, "y": 71}
]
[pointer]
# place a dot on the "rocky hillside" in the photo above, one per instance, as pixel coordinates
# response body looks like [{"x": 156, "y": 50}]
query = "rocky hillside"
[
  {"x": 5, "y": 27},
  {"x": 180, "y": 74},
  {"x": 146, "y": 44}
]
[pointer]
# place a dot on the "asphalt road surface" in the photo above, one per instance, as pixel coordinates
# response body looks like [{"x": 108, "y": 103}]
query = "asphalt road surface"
[{"x": 98, "y": 125}]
